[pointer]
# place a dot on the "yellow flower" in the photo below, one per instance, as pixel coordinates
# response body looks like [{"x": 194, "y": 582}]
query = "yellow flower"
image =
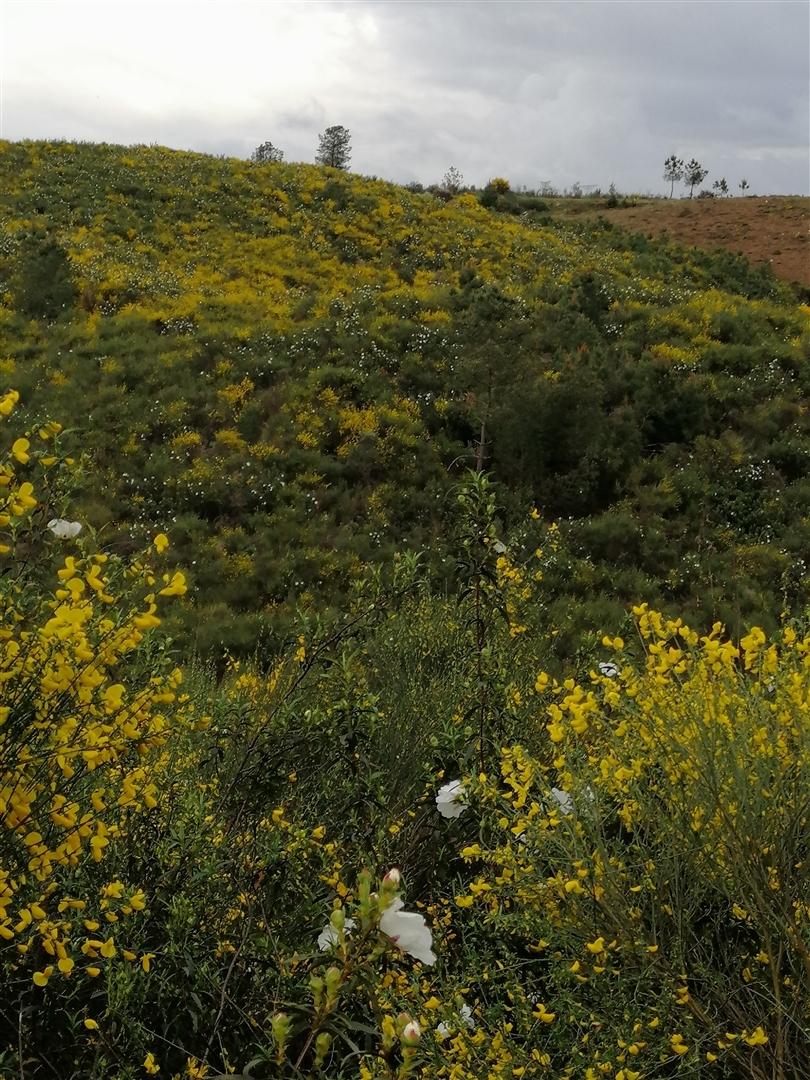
[
  {"x": 91, "y": 1025},
  {"x": 150, "y": 1064},
  {"x": 161, "y": 542},
  {"x": 543, "y": 1014},
  {"x": 8, "y": 401},
  {"x": 677, "y": 1044},
  {"x": 20, "y": 450},
  {"x": 756, "y": 1038},
  {"x": 176, "y": 586}
]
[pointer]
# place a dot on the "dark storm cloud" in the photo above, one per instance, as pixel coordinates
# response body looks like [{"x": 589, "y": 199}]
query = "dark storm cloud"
[{"x": 559, "y": 92}]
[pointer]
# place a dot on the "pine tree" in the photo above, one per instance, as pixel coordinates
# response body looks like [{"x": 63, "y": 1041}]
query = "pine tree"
[
  {"x": 694, "y": 174},
  {"x": 334, "y": 147},
  {"x": 265, "y": 153},
  {"x": 673, "y": 171}
]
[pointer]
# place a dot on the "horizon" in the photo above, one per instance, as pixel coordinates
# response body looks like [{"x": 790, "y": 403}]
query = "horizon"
[{"x": 553, "y": 94}]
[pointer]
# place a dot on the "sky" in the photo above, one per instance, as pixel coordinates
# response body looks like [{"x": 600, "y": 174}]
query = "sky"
[{"x": 538, "y": 92}]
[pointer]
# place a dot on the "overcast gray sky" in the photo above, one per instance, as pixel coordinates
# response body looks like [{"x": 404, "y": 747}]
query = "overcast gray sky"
[{"x": 561, "y": 92}]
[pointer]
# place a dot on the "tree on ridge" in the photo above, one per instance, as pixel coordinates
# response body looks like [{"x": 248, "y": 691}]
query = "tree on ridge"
[
  {"x": 694, "y": 174},
  {"x": 265, "y": 153},
  {"x": 334, "y": 147},
  {"x": 452, "y": 180},
  {"x": 673, "y": 171}
]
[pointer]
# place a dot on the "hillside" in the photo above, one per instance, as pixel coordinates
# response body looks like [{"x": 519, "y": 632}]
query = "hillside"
[
  {"x": 288, "y": 368},
  {"x": 773, "y": 229},
  {"x": 327, "y": 755}
]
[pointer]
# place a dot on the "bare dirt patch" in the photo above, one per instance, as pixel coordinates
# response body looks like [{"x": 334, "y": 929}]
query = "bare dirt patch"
[{"x": 771, "y": 229}]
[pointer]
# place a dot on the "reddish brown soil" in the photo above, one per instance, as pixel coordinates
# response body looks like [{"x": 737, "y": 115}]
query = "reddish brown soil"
[{"x": 773, "y": 229}]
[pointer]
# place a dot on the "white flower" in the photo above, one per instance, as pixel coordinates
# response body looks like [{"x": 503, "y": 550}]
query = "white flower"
[
  {"x": 499, "y": 547},
  {"x": 328, "y": 937},
  {"x": 64, "y": 530},
  {"x": 409, "y": 931},
  {"x": 465, "y": 1012},
  {"x": 564, "y": 800},
  {"x": 450, "y": 799},
  {"x": 608, "y": 669}
]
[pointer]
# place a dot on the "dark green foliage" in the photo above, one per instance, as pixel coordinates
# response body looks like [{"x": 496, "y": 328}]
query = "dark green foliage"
[
  {"x": 495, "y": 197},
  {"x": 45, "y": 288}
]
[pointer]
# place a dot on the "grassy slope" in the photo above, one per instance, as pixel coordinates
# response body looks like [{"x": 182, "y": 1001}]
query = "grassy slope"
[{"x": 287, "y": 367}]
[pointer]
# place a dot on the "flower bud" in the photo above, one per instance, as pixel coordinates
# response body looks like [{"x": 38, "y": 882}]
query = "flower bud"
[
  {"x": 363, "y": 885},
  {"x": 333, "y": 979},
  {"x": 280, "y": 1025},
  {"x": 411, "y": 1034},
  {"x": 338, "y": 919},
  {"x": 392, "y": 879},
  {"x": 316, "y": 985},
  {"x": 322, "y": 1044}
]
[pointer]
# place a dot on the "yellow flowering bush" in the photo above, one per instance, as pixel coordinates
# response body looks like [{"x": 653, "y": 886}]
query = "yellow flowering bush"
[
  {"x": 82, "y": 719},
  {"x": 651, "y": 851}
]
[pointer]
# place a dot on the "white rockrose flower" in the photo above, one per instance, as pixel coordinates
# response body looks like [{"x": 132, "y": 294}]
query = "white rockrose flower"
[
  {"x": 64, "y": 530},
  {"x": 408, "y": 931},
  {"x": 328, "y": 937},
  {"x": 608, "y": 669},
  {"x": 450, "y": 799},
  {"x": 465, "y": 1012},
  {"x": 563, "y": 799}
]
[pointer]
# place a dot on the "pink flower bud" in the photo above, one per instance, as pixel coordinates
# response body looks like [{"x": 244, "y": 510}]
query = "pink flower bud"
[
  {"x": 411, "y": 1034},
  {"x": 392, "y": 879}
]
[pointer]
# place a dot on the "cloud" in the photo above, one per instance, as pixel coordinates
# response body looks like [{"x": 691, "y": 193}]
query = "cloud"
[{"x": 596, "y": 92}]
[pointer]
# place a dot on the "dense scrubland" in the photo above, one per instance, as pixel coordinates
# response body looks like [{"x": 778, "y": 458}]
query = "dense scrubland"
[
  {"x": 345, "y": 737},
  {"x": 290, "y": 368}
]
